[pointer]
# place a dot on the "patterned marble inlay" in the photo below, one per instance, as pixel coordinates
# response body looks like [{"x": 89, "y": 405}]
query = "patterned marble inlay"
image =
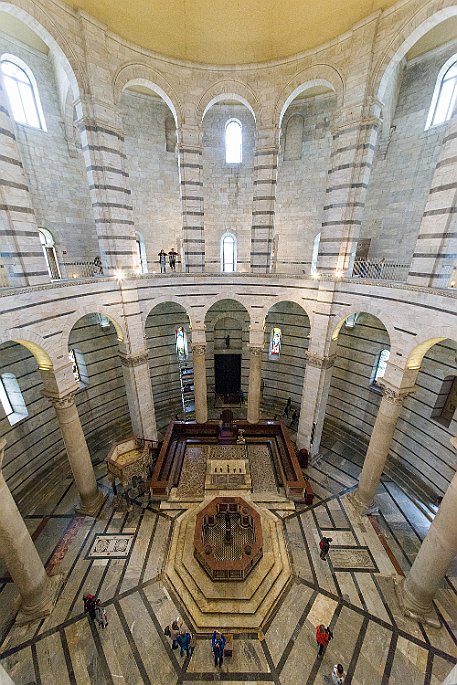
[
  {"x": 352, "y": 558},
  {"x": 110, "y": 546},
  {"x": 227, "y": 452}
]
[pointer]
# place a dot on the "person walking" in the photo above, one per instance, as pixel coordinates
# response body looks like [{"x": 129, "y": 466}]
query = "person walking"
[
  {"x": 100, "y": 614},
  {"x": 89, "y": 605},
  {"x": 324, "y": 546},
  {"x": 338, "y": 676},
  {"x": 163, "y": 264},
  {"x": 287, "y": 407},
  {"x": 218, "y": 645},
  {"x": 323, "y": 637},
  {"x": 184, "y": 641},
  {"x": 172, "y": 258},
  {"x": 173, "y": 630}
]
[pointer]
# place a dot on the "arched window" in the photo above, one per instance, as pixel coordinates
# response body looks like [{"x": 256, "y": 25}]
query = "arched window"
[
  {"x": 79, "y": 367},
  {"x": 11, "y": 398},
  {"x": 22, "y": 91},
  {"x": 48, "y": 245},
  {"x": 233, "y": 142},
  {"x": 275, "y": 343},
  {"x": 141, "y": 252},
  {"x": 379, "y": 368},
  {"x": 444, "y": 95},
  {"x": 315, "y": 255},
  {"x": 228, "y": 252},
  {"x": 181, "y": 343}
]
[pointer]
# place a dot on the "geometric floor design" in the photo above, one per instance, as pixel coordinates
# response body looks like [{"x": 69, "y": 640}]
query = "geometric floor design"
[{"x": 352, "y": 591}]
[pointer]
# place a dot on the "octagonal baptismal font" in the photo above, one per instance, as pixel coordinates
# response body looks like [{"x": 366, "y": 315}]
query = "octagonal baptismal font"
[
  {"x": 228, "y": 538},
  {"x": 228, "y": 563}
]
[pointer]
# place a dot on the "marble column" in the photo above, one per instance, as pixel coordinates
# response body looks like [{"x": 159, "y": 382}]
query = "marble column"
[
  {"x": 351, "y": 159},
  {"x": 21, "y": 558},
  {"x": 190, "y": 153},
  {"x": 264, "y": 195},
  {"x": 200, "y": 392},
  {"x": 138, "y": 389},
  {"x": 436, "y": 245},
  {"x": 255, "y": 380},
  {"x": 91, "y": 498},
  {"x": 22, "y": 260},
  {"x": 316, "y": 385},
  {"x": 436, "y": 553},
  {"x": 379, "y": 446}
]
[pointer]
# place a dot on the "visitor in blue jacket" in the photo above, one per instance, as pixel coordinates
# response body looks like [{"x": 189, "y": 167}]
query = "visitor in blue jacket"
[
  {"x": 184, "y": 641},
  {"x": 218, "y": 644}
]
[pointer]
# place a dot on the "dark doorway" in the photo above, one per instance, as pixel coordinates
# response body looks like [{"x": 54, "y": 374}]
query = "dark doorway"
[{"x": 227, "y": 371}]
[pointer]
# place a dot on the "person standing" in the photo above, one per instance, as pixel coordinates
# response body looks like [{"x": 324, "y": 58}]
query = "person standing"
[
  {"x": 174, "y": 630},
  {"x": 100, "y": 614},
  {"x": 218, "y": 645},
  {"x": 287, "y": 407},
  {"x": 338, "y": 676},
  {"x": 163, "y": 264},
  {"x": 89, "y": 605},
  {"x": 323, "y": 637},
  {"x": 184, "y": 641},
  {"x": 324, "y": 546},
  {"x": 172, "y": 259}
]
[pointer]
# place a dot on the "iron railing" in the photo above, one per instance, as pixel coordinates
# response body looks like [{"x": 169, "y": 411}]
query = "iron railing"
[{"x": 380, "y": 270}]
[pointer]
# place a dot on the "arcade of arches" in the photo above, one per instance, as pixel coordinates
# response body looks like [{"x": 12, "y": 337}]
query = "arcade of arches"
[{"x": 307, "y": 211}]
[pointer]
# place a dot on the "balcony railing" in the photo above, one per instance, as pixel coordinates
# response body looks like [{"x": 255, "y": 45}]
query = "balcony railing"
[
  {"x": 79, "y": 270},
  {"x": 380, "y": 270}
]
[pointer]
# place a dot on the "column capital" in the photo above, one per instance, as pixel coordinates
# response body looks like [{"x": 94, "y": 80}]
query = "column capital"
[
  {"x": 394, "y": 395},
  {"x": 61, "y": 402},
  {"x": 133, "y": 359},
  {"x": 255, "y": 350},
  {"x": 366, "y": 113},
  {"x": 320, "y": 362},
  {"x": 199, "y": 349}
]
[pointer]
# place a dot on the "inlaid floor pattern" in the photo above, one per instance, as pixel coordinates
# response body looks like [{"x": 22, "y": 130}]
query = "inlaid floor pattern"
[{"x": 353, "y": 592}]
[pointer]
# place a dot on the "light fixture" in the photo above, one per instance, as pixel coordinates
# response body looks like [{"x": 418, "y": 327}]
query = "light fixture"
[
  {"x": 338, "y": 274},
  {"x": 315, "y": 275},
  {"x": 119, "y": 275}
]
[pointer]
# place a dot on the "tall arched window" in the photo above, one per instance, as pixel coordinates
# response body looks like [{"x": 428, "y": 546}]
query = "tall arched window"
[
  {"x": 22, "y": 90},
  {"x": 48, "y": 245},
  {"x": 141, "y": 252},
  {"x": 233, "y": 142},
  {"x": 11, "y": 399},
  {"x": 444, "y": 95},
  {"x": 228, "y": 252}
]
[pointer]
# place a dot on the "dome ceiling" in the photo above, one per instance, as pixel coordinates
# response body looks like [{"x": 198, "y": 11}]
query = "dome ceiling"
[{"x": 230, "y": 31}]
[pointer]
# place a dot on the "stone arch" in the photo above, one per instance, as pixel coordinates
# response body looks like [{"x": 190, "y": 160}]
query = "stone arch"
[
  {"x": 152, "y": 304},
  {"x": 82, "y": 312},
  {"x": 240, "y": 299},
  {"x": 41, "y": 350},
  {"x": 429, "y": 16},
  {"x": 317, "y": 75},
  {"x": 36, "y": 18},
  {"x": 234, "y": 90},
  {"x": 137, "y": 74},
  {"x": 382, "y": 317},
  {"x": 421, "y": 347},
  {"x": 263, "y": 313}
]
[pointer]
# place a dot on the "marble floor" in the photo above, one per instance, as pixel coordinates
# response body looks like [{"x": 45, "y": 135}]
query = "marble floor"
[{"x": 353, "y": 592}]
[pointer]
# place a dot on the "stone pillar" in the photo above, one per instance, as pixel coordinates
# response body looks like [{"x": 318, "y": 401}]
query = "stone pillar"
[
  {"x": 102, "y": 143},
  {"x": 436, "y": 553},
  {"x": 379, "y": 446},
  {"x": 19, "y": 554},
  {"x": 200, "y": 392},
  {"x": 354, "y": 141},
  {"x": 255, "y": 380},
  {"x": 435, "y": 253},
  {"x": 264, "y": 195},
  {"x": 190, "y": 154},
  {"x": 316, "y": 385},
  {"x": 22, "y": 260},
  {"x": 78, "y": 454},
  {"x": 135, "y": 370}
]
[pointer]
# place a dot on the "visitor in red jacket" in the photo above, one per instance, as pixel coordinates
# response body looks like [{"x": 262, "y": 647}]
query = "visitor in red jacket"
[{"x": 323, "y": 637}]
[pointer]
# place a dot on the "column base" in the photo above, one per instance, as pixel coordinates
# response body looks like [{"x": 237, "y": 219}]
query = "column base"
[
  {"x": 362, "y": 508},
  {"x": 44, "y": 608},
  {"x": 412, "y": 610},
  {"x": 92, "y": 506}
]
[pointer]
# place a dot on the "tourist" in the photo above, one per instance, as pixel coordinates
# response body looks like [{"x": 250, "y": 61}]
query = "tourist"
[
  {"x": 89, "y": 605},
  {"x": 172, "y": 259},
  {"x": 323, "y": 637},
  {"x": 100, "y": 614},
  {"x": 163, "y": 265},
  {"x": 287, "y": 407},
  {"x": 324, "y": 546},
  {"x": 172, "y": 631},
  {"x": 294, "y": 418},
  {"x": 184, "y": 641},
  {"x": 338, "y": 676},
  {"x": 218, "y": 645}
]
